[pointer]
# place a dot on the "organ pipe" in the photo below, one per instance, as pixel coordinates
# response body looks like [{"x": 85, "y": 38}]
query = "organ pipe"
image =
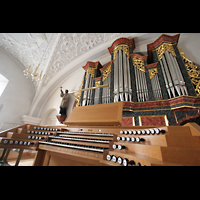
[{"x": 121, "y": 80}]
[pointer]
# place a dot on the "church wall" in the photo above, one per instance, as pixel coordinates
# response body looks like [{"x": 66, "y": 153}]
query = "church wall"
[
  {"x": 71, "y": 83},
  {"x": 18, "y": 94}
]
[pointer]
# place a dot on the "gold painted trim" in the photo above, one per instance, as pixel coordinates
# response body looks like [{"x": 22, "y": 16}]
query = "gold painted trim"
[
  {"x": 192, "y": 71},
  {"x": 123, "y": 47},
  {"x": 139, "y": 64},
  {"x": 153, "y": 72},
  {"x": 130, "y": 110},
  {"x": 165, "y": 46},
  {"x": 165, "y": 99}
]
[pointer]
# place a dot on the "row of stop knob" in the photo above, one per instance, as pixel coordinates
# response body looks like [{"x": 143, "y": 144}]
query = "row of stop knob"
[
  {"x": 147, "y": 131},
  {"x": 124, "y": 161},
  {"x": 133, "y": 139}
]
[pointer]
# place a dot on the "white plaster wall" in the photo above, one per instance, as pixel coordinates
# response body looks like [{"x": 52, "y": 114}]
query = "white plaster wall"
[
  {"x": 18, "y": 94},
  {"x": 71, "y": 83}
]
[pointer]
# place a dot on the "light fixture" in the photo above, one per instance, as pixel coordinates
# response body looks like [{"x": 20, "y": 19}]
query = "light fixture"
[{"x": 33, "y": 74}]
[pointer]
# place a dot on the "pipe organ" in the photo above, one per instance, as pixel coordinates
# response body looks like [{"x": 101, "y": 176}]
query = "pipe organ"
[{"x": 163, "y": 74}]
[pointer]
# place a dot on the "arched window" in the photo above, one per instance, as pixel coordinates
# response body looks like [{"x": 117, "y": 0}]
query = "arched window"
[{"x": 3, "y": 83}]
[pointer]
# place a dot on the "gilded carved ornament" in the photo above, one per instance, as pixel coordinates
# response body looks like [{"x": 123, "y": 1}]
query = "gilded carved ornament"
[
  {"x": 193, "y": 72},
  {"x": 97, "y": 83},
  {"x": 162, "y": 48},
  {"x": 152, "y": 72},
  {"x": 123, "y": 47},
  {"x": 90, "y": 70},
  {"x": 106, "y": 72},
  {"x": 139, "y": 64},
  {"x": 78, "y": 95}
]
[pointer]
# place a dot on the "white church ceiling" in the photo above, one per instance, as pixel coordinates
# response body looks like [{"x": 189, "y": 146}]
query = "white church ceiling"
[
  {"x": 58, "y": 50},
  {"x": 55, "y": 49}
]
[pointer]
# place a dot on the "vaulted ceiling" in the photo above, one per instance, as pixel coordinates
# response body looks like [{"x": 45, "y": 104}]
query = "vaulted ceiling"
[{"x": 55, "y": 51}]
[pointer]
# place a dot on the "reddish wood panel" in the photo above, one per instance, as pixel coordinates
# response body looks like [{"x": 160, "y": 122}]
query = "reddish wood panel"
[
  {"x": 127, "y": 121},
  {"x": 153, "y": 121}
]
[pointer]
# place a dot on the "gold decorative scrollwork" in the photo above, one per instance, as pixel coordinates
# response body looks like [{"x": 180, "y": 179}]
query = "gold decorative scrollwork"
[
  {"x": 139, "y": 64},
  {"x": 97, "y": 83},
  {"x": 193, "y": 72},
  {"x": 106, "y": 72},
  {"x": 123, "y": 47},
  {"x": 90, "y": 70},
  {"x": 162, "y": 48},
  {"x": 78, "y": 95},
  {"x": 152, "y": 72}
]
